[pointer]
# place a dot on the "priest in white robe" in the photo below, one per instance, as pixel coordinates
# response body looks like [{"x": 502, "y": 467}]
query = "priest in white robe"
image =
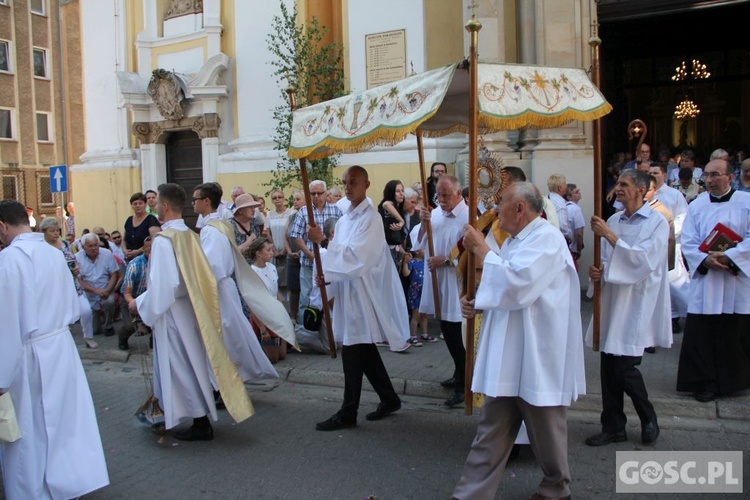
[
  {"x": 529, "y": 361},
  {"x": 59, "y": 454},
  {"x": 187, "y": 350},
  {"x": 240, "y": 339},
  {"x": 635, "y": 305},
  {"x": 368, "y": 302},
  {"x": 715, "y": 355},
  {"x": 448, "y": 221}
]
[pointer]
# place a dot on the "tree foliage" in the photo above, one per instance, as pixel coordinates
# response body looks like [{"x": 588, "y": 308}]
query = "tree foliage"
[{"x": 302, "y": 59}]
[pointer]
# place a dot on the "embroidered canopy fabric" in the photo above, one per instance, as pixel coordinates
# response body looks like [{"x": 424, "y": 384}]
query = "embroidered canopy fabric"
[{"x": 511, "y": 97}]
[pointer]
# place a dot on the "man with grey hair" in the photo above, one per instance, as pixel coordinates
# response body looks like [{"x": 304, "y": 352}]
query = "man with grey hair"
[
  {"x": 558, "y": 185},
  {"x": 322, "y": 210},
  {"x": 529, "y": 368},
  {"x": 636, "y": 310},
  {"x": 98, "y": 276},
  {"x": 448, "y": 221}
]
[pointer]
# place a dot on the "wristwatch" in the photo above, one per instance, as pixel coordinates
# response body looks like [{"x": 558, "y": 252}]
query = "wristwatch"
[{"x": 447, "y": 262}]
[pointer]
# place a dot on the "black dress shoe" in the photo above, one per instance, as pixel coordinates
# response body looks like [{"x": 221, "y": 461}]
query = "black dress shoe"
[
  {"x": 650, "y": 350},
  {"x": 123, "y": 346},
  {"x": 456, "y": 399},
  {"x": 606, "y": 438},
  {"x": 196, "y": 434},
  {"x": 449, "y": 383},
  {"x": 383, "y": 411},
  {"x": 705, "y": 396},
  {"x": 109, "y": 332},
  {"x": 650, "y": 432},
  {"x": 676, "y": 325},
  {"x": 335, "y": 423}
]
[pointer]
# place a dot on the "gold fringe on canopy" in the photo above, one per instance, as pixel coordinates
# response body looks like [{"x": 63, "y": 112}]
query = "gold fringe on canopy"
[{"x": 510, "y": 97}]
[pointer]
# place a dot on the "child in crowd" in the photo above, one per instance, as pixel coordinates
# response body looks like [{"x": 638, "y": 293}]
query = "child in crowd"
[
  {"x": 413, "y": 267},
  {"x": 262, "y": 254}
]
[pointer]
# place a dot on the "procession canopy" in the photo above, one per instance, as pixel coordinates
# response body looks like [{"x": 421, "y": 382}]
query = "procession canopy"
[{"x": 511, "y": 97}]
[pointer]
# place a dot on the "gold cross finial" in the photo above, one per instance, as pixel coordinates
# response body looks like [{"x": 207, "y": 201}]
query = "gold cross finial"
[{"x": 473, "y": 8}]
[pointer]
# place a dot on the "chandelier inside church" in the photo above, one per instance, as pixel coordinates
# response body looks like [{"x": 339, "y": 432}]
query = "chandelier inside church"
[
  {"x": 699, "y": 71},
  {"x": 686, "y": 110}
]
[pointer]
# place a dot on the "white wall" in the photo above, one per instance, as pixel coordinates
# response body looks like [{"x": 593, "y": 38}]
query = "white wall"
[
  {"x": 257, "y": 92},
  {"x": 102, "y": 44},
  {"x": 366, "y": 17}
]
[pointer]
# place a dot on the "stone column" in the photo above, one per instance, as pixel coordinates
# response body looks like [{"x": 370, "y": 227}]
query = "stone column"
[{"x": 153, "y": 165}]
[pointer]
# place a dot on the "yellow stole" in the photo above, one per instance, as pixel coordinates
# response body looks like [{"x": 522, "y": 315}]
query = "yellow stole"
[
  {"x": 204, "y": 296},
  {"x": 252, "y": 289}
]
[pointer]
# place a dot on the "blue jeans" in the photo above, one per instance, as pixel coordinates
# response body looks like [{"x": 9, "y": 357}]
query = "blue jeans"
[{"x": 305, "y": 288}]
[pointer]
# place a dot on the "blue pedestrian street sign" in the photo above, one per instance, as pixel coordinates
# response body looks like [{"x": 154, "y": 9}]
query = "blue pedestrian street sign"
[{"x": 58, "y": 179}]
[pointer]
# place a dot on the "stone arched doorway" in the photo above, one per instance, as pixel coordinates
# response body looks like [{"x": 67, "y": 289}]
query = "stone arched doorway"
[{"x": 185, "y": 166}]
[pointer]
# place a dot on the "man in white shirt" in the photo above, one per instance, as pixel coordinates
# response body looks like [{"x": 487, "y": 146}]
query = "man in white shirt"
[
  {"x": 98, "y": 276},
  {"x": 635, "y": 305},
  {"x": 557, "y": 186},
  {"x": 448, "y": 224},
  {"x": 368, "y": 302},
  {"x": 529, "y": 361},
  {"x": 59, "y": 454},
  {"x": 715, "y": 354},
  {"x": 572, "y": 197}
]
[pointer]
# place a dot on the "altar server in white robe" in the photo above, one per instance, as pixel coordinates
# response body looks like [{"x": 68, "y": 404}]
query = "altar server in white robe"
[
  {"x": 59, "y": 454},
  {"x": 715, "y": 354},
  {"x": 636, "y": 311},
  {"x": 679, "y": 279},
  {"x": 368, "y": 302},
  {"x": 182, "y": 382},
  {"x": 529, "y": 361},
  {"x": 448, "y": 221},
  {"x": 239, "y": 337}
]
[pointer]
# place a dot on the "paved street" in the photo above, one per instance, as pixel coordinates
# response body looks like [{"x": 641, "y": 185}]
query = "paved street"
[{"x": 417, "y": 454}]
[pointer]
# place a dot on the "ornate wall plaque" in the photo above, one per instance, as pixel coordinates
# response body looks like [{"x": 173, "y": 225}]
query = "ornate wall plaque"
[
  {"x": 179, "y": 8},
  {"x": 165, "y": 91}
]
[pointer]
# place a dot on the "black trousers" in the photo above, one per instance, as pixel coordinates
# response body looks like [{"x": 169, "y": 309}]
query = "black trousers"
[
  {"x": 455, "y": 343},
  {"x": 620, "y": 376},
  {"x": 358, "y": 360}
]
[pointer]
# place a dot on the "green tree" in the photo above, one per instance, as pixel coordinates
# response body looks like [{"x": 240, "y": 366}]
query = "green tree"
[{"x": 315, "y": 68}]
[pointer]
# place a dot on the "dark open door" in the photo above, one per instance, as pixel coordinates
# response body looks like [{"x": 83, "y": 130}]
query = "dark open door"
[{"x": 185, "y": 167}]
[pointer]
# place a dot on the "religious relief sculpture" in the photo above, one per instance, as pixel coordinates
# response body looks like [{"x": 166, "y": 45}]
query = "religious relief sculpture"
[
  {"x": 165, "y": 91},
  {"x": 179, "y": 8}
]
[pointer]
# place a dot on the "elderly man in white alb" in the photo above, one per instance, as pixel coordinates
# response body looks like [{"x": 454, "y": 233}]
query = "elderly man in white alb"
[
  {"x": 529, "y": 362},
  {"x": 59, "y": 454},
  {"x": 368, "y": 304},
  {"x": 635, "y": 305},
  {"x": 448, "y": 221}
]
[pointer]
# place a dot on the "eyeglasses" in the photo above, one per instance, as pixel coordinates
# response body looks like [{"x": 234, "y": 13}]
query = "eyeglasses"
[
  {"x": 277, "y": 197},
  {"x": 712, "y": 175},
  {"x": 198, "y": 199}
]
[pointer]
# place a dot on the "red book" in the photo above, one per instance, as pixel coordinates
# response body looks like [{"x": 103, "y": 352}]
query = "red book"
[{"x": 720, "y": 239}]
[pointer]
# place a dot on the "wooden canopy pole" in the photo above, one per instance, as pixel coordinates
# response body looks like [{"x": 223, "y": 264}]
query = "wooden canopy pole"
[
  {"x": 428, "y": 226},
  {"x": 291, "y": 90},
  {"x": 594, "y": 43},
  {"x": 473, "y": 27}
]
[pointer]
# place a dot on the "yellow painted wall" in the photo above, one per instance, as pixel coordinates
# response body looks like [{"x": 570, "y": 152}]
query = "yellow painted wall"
[
  {"x": 444, "y": 33},
  {"x": 134, "y": 25},
  {"x": 111, "y": 187},
  {"x": 229, "y": 47},
  {"x": 177, "y": 47}
]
